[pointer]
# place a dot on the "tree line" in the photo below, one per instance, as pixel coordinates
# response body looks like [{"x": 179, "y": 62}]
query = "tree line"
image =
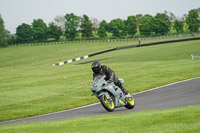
[{"x": 72, "y": 27}]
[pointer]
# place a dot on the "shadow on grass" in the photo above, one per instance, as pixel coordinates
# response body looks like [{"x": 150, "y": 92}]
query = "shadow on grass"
[{"x": 93, "y": 61}]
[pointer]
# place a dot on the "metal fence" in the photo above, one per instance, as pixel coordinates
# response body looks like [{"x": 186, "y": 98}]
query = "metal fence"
[{"x": 112, "y": 40}]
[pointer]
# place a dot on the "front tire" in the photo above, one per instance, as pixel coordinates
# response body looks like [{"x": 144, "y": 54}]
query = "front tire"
[
  {"x": 130, "y": 103},
  {"x": 107, "y": 103}
]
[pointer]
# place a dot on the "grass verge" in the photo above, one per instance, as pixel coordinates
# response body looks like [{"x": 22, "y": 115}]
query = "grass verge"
[
  {"x": 183, "y": 119},
  {"x": 30, "y": 85}
]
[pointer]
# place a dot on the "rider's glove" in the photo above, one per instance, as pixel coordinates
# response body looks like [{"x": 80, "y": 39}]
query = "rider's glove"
[{"x": 110, "y": 80}]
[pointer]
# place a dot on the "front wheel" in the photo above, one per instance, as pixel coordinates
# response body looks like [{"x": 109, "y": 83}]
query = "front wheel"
[
  {"x": 130, "y": 103},
  {"x": 107, "y": 103}
]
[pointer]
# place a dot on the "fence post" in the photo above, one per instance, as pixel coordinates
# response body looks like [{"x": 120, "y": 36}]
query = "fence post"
[{"x": 192, "y": 57}]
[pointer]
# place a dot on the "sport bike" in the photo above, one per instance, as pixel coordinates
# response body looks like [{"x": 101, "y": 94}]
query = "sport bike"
[{"x": 110, "y": 95}]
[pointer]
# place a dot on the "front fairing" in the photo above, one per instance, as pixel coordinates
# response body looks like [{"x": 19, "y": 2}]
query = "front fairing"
[{"x": 100, "y": 83}]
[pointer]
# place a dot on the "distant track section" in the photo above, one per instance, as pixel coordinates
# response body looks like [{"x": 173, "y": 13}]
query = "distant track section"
[{"x": 126, "y": 47}]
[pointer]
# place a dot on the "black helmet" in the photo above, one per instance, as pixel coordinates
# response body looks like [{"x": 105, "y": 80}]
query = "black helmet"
[{"x": 96, "y": 67}]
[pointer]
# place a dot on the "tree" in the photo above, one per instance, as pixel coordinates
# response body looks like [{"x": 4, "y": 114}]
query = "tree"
[
  {"x": 3, "y": 41},
  {"x": 102, "y": 30},
  {"x": 193, "y": 20},
  {"x": 95, "y": 25},
  {"x": 117, "y": 27},
  {"x": 171, "y": 16},
  {"x": 39, "y": 30},
  {"x": 71, "y": 25},
  {"x": 162, "y": 24},
  {"x": 131, "y": 25},
  {"x": 138, "y": 18},
  {"x": 86, "y": 27},
  {"x": 24, "y": 33},
  {"x": 54, "y": 31},
  {"x": 146, "y": 25},
  {"x": 178, "y": 26},
  {"x": 184, "y": 17},
  {"x": 60, "y": 22}
]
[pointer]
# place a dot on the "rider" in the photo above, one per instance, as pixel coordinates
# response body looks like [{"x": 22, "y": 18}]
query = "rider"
[{"x": 99, "y": 69}]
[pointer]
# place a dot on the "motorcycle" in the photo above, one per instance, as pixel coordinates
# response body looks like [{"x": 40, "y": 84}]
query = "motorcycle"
[{"x": 110, "y": 95}]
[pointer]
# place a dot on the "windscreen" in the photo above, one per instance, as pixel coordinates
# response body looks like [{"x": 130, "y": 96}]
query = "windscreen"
[{"x": 97, "y": 78}]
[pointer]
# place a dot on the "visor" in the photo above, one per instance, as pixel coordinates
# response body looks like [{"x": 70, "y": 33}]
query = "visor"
[{"x": 95, "y": 70}]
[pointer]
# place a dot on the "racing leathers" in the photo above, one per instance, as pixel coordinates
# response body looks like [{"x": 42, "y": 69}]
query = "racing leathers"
[{"x": 110, "y": 76}]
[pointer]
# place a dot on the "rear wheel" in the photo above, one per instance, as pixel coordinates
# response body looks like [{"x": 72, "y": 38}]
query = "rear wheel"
[
  {"x": 130, "y": 103},
  {"x": 108, "y": 104}
]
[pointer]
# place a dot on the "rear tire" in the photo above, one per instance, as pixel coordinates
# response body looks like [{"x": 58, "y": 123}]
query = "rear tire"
[{"x": 107, "y": 104}]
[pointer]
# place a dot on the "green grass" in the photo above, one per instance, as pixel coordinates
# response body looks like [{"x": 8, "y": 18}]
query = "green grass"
[
  {"x": 30, "y": 85},
  {"x": 175, "y": 120}
]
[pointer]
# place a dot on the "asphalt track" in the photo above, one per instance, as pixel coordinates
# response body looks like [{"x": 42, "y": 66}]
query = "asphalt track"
[{"x": 177, "y": 94}]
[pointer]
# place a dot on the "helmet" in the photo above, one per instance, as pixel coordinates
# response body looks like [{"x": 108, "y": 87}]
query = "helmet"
[{"x": 96, "y": 67}]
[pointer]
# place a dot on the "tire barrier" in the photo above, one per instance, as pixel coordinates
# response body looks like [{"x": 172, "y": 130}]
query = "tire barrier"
[{"x": 72, "y": 60}]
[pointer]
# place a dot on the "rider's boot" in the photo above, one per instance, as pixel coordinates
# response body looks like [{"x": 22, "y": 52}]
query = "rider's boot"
[
  {"x": 124, "y": 90},
  {"x": 127, "y": 94},
  {"x": 119, "y": 84}
]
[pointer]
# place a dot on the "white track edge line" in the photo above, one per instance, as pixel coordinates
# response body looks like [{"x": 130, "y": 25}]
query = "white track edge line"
[
  {"x": 132, "y": 94},
  {"x": 164, "y": 86},
  {"x": 50, "y": 113}
]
